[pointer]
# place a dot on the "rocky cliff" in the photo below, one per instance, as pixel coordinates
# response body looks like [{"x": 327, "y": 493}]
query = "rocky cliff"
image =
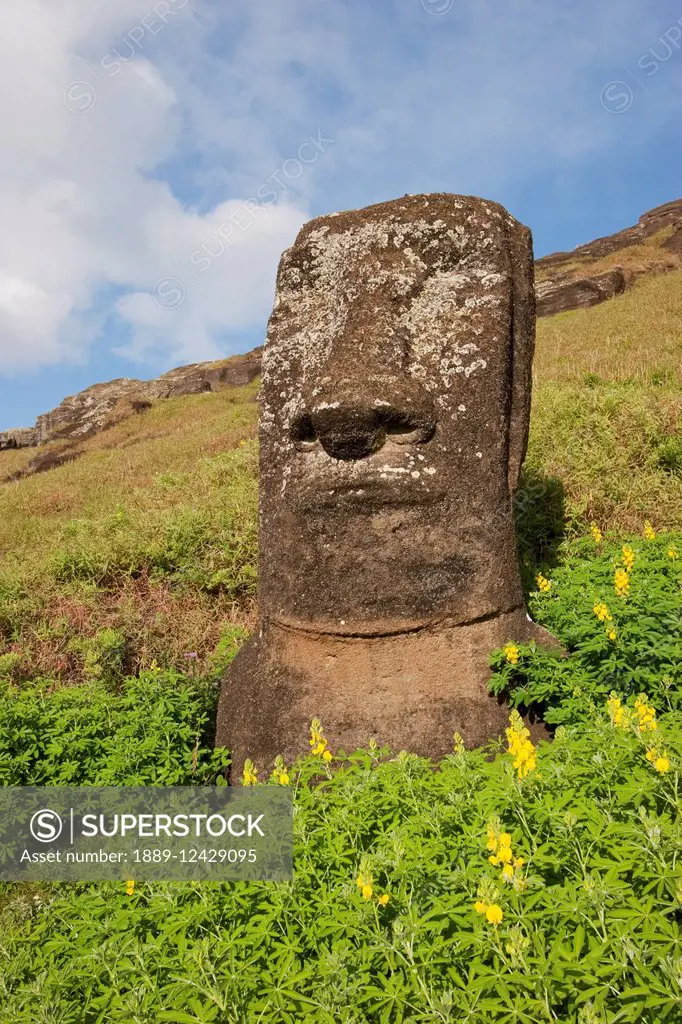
[
  {"x": 86, "y": 413},
  {"x": 607, "y": 266}
]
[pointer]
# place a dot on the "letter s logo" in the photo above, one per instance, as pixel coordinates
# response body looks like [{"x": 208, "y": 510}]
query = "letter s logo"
[
  {"x": 617, "y": 97},
  {"x": 46, "y": 826}
]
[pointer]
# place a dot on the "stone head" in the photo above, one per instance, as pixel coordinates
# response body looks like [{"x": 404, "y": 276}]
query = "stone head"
[{"x": 394, "y": 418}]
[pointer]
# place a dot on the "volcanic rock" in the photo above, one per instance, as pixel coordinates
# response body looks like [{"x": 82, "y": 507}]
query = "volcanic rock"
[{"x": 394, "y": 421}]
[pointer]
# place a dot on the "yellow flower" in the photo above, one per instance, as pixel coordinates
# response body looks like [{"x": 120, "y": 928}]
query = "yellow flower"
[
  {"x": 480, "y": 907},
  {"x": 659, "y": 759},
  {"x": 365, "y": 883},
  {"x": 520, "y": 746},
  {"x": 596, "y": 533},
  {"x": 383, "y": 900},
  {"x": 511, "y": 653},
  {"x": 646, "y": 714},
  {"x": 459, "y": 743},
  {"x": 611, "y": 634},
  {"x": 649, "y": 531},
  {"x": 672, "y": 554},
  {"x": 280, "y": 772},
  {"x": 494, "y": 914},
  {"x": 628, "y": 557},
  {"x": 621, "y": 583},
  {"x": 544, "y": 585},
  {"x": 130, "y": 888},
  {"x": 249, "y": 775},
  {"x": 601, "y": 611},
  {"x": 500, "y": 843},
  {"x": 318, "y": 741},
  {"x": 620, "y": 715}
]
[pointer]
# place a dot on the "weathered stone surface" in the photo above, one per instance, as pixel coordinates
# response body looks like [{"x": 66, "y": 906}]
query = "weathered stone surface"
[
  {"x": 562, "y": 293},
  {"x": 394, "y": 421},
  {"x": 98, "y": 407},
  {"x": 22, "y": 437},
  {"x": 84, "y": 414}
]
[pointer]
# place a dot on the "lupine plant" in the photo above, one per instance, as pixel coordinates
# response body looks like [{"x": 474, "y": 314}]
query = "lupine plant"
[{"x": 616, "y": 611}]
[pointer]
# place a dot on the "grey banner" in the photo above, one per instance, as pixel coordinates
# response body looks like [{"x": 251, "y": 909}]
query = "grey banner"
[{"x": 69, "y": 833}]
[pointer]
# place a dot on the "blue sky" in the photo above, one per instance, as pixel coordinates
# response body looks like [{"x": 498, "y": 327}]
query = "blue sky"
[{"x": 158, "y": 156}]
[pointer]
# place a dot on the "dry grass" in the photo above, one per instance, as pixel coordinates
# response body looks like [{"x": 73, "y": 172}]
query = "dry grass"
[
  {"x": 149, "y": 534},
  {"x": 607, "y": 408},
  {"x": 635, "y": 336},
  {"x": 14, "y": 460},
  {"x": 140, "y": 463},
  {"x": 638, "y": 259}
]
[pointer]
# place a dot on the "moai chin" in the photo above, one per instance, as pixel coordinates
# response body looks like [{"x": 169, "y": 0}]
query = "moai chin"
[{"x": 394, "y": 421}]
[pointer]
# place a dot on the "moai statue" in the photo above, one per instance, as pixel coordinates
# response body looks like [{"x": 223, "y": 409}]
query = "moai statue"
[{"x": 394, "y": 421}]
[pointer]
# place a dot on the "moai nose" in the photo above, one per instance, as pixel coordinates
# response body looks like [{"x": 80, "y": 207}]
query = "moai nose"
[
  {"x": 352, "y": 429},
  {"x": 347, "y": 431}
]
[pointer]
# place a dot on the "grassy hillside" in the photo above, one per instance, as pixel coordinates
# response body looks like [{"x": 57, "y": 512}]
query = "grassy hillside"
[
  {"x": 144, "y": 549},
  {"x": 636, "y": 336}
]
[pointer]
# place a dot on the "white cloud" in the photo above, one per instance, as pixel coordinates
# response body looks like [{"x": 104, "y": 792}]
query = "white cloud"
[
  {"x": 81, "y": 209},
  {"x": 134, "y": 130}
]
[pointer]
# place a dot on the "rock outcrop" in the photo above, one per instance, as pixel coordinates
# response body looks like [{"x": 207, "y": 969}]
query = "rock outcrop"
[
  {"x": 394, "y": 419},
  {"x": 21, "y": 437},
  {"x": 92, "y": 410},
  {"x": 607, "y": 266},
  {"x": 560, "y": 294}
]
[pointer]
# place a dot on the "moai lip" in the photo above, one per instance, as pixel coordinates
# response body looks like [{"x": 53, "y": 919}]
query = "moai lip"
[{"x": 394, "y": 421}]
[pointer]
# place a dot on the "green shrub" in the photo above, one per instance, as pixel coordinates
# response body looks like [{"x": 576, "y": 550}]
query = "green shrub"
[
  {"x": 628, "y": 644},
  {"x": 153, "y": 732},
  {"x": 9, "y": 664},
  {"x": 226, "y": 648},
  {"x": 589, "y": 928},
  {"x": 668, "y": 455},
  {"x": 395, "y": 912}
]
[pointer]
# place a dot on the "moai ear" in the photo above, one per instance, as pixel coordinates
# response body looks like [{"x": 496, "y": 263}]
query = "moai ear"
[{"x": 523, "y": 346}]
